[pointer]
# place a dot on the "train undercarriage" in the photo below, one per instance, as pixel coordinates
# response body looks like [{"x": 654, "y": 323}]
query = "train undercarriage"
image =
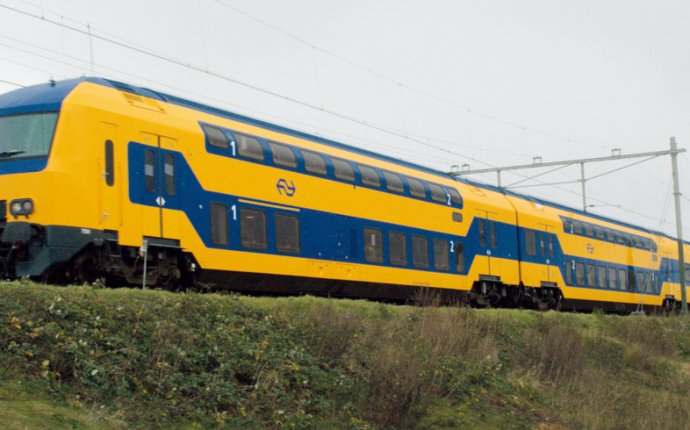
[{"x": 65, "y": 255}]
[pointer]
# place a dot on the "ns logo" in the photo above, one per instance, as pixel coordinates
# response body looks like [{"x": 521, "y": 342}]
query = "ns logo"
[{"x": 286, "y": 187}]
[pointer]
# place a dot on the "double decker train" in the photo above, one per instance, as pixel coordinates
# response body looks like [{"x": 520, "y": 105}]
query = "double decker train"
[{"x": 101, "y": 179}]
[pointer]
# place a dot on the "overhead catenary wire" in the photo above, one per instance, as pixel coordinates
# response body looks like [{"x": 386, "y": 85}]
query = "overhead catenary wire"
[
  {"x": 181, "y": 63},
  {"x": 382, "y": 128},
  {"x": 400, "y": 84}
]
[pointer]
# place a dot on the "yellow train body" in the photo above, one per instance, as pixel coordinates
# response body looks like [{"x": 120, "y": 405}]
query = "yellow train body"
[{"x": 136, "y": 185}]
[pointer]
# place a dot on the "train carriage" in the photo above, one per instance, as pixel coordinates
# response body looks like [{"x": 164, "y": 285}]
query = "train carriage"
[{"x": 100, "y": 179}]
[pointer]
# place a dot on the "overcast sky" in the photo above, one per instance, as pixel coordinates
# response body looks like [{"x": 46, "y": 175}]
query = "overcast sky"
[{"x": 484, "y": 83}]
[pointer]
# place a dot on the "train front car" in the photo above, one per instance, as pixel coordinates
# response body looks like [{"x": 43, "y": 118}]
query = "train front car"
[{"x": 29, "y": 178}]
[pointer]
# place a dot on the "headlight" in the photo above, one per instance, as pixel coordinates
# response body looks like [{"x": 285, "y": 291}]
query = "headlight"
[{"x": 21, "y": 207}]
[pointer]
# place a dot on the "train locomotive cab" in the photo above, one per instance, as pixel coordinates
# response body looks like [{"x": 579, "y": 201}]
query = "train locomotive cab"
[
  {"x": 26, "y": 136},
  {"x": 62, "y": 185}
]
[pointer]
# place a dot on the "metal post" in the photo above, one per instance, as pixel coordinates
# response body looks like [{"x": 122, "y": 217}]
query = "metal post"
[
  {"x": 584, "y": 195},
  {"x": 498, "y": 172},
  {"x": 679, "y": 227},
  {"x": 144, "y": 252}
]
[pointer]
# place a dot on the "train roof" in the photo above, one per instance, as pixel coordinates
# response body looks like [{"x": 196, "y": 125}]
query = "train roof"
[{"x": 49, "y": 97}]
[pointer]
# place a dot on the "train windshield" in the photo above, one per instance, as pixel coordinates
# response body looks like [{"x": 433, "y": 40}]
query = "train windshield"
[{"x": 27, "y": 135}]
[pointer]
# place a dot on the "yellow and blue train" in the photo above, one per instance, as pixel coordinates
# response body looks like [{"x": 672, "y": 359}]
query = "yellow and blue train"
[{"x": 100, "y": 179}]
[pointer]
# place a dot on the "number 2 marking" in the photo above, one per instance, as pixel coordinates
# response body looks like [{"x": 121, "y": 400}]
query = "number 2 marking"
[{"x": 452, "y": 246}]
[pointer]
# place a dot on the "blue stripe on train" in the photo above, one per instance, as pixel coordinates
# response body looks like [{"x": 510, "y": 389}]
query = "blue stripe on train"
[{"x": 333, "y": 237}]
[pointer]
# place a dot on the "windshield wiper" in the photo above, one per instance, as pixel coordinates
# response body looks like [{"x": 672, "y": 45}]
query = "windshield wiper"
[{"x": 11, "y": 153}]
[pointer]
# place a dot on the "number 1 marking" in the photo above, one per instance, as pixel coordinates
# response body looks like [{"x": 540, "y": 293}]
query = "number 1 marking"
[
  {"x": 233, "y": 208},
  {"x": 232, "y": 145}
]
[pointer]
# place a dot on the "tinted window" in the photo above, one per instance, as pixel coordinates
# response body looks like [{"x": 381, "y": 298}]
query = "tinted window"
[
  {"x": 568, "y": 273},
  {"x": 253, "y": 228},
  {"x": 609, "y": 236},
  {"x": 287, "y": 232},
  {"x": 283, "y": 155},
  {"x": 397, "y": 248},
  {"x": 591, "y": 276},
  {"x": 369, "y": 176},
  {"x": 373, "y": 248},
  {"x": 314, "y": 162},
  {"x": 457, "y": 217},
  {"x": 420, "y": 252},
  {"x": 580, "y": 274},
  {"x": 482, "y": 233},
  {"x": 492, "y": 234},
  {"x": 622, "y": 280},
  {"x": 169, "y": 170},
  {"x": 531, "y": 242},
  {"x": 460, "y": 258},
  {"x": 599, "y": 233},
  {"x": 215, "y": 137},
  {"x": 577, "y": 227},
  {"x": 602, "y": 277},
  {"x": 455, "y": 197},
  {"x": 219, "y": 224},
  {"x": 109, "y": 163},
  {"x": 550, "y": 246},
  {"x": 416, "y": 188},
  {"x": 441, "y": 255},
  {"x": 249, "y": 147},
  {"x": 393, "y": 182},
  {"x": 150, "y": 170},
  {"x": 612, "y": 278},
  {"x": 437, "y": 193},
  {"x": 343, "y": 170},
  {"x": 542, "y": 245}
]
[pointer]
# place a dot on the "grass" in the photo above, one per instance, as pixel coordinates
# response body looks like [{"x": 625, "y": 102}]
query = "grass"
[{"x": 83, "y": 357}]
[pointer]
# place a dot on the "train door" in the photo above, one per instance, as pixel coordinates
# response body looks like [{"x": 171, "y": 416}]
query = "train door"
[
  {"x": 486, "y": 240},
  {"x": 160, "y": 187},
  {"x": 546, "y": 254},
  {"x": 111, "y": 179}
]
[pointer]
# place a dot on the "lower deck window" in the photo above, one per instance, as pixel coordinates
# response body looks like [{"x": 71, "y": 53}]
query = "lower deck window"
[
  {"x": 420, "y": 252},
  {"x": 253, "y": 228},
  {"x": 397, "y": 248},
  {"x": 601, "y": 271},
  {"x": 612, "y": 278},
  {"x": 622, "y": 278},
  {"x": 441, "y": 255},
  {"x": 287, "y": 233},
  {"x": 373, "y": 248},
  {"x": 568, "y": 273},
  {"x": 591, "y": 276},
  {"x": 580, "y": 274},
  {"x": 219, "y": 224}
]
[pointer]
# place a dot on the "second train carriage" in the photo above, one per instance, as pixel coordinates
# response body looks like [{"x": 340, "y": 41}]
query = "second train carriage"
[{"x": 99, "y": 178}]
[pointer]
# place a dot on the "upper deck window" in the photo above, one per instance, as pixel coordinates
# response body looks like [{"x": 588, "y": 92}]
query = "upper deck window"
[
  {"x": 215, "y": 137},
  {"x": 314, "y": 162},
  {"x": 394, "y": 182},
  {"x": 369, "y": 176},
  {"x": 343, "y": 170},
  {"x": 283, "y": 155},
  {"x": 437, "y": 193},
  {"x": 25, "y": 136},
  {"x": 416, "y": 188},
  {"x": 249, "y": 147}
]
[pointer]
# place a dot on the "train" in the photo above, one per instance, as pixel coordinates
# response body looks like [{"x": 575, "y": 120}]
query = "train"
[{"x": 102, "y": 180}]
